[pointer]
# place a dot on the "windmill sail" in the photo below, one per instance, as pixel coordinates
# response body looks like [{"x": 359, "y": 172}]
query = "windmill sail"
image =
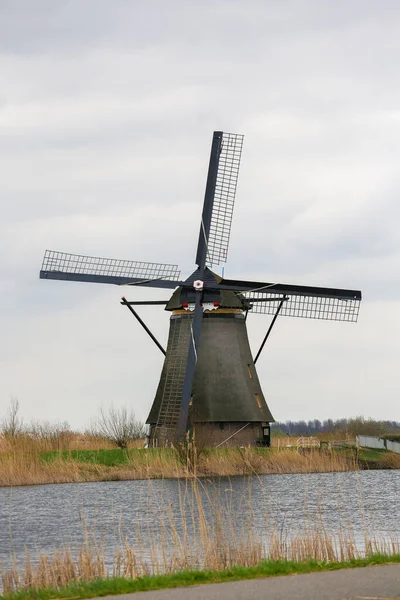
[
  {"x": 219, "y": 199},
  {"x": 78, "y": 267},
  {"x": 308, "y": 307},
  {"x": 331, "y": 304},
  {"x": 224, "y": 198},
  {"x": 212, "y": 247}
]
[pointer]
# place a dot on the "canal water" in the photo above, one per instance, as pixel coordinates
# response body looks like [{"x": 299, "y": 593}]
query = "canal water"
[{"x": 50, "y": 517}]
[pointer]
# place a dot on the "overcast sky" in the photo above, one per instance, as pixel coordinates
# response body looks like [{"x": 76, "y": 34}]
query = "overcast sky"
[{"x": 106, "y": 115}]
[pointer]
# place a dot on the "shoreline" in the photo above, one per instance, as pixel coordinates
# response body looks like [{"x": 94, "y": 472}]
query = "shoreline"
[
  {"x": 187, "y": 578},
  {"x": 46, "y": 468}
]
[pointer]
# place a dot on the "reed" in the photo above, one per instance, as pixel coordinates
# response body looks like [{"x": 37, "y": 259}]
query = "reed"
[
  {"x": 28, "y": 466},
  {"x": 204, "y": 534},
  {"x": 390, "y": 460},
  {"x": 65, "y": 440},
  {"x": 248, "y": 461}
]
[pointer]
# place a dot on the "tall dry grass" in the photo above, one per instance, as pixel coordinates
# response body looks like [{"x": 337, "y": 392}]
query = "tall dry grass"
[
  {"x": 29, "y": 469},
  {"x": 67, "y": 440},
  {"x": 26, "y": 466},
  {"x": 249, "y": 461},
  {"x": 204, "y": 534},
  {"x": 391, "y": 461}
]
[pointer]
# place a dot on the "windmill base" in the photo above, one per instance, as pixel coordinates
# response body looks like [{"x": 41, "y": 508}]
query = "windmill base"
[{"x": 216, "y": 434}]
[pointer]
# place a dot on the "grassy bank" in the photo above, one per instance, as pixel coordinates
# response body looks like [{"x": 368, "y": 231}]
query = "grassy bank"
[
  {"x": 21, "y": 467},
  {"x": 119, "y": 585},
  {"x": 27, "y": 468}
]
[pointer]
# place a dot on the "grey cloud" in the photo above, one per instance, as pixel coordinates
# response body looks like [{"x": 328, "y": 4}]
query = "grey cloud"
[{"x": 106, "y": 115}]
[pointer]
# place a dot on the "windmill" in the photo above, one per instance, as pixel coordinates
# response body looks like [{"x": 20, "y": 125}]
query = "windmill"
[{"x": 209, "y": 381}]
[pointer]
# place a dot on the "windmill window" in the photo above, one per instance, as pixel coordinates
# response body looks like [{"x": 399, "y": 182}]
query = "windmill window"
[
  {"x": 249, "y": 372},
  {"x": 257, "y": 397}
]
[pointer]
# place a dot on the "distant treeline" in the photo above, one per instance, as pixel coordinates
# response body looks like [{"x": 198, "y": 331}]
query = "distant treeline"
[{"x": 353, "y": 426}]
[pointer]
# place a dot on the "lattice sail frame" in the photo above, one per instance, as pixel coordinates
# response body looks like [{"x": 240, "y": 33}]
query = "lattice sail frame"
[
  {"x": 62, "y": 262},
  {"x": 307, "y": 307},
  {"x": 224, "y": 198}
]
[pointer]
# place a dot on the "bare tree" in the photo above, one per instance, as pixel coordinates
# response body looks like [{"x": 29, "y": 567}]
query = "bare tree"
[
  {"x": 12, "y": 424},
  {"x": 54, "y": 436},
  {"x": 119, "y": 426}
]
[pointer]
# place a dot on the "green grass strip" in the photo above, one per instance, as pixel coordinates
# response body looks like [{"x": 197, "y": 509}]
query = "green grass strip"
[
  {"x": 111, "y": 457},
  {"x": 114, "y": 586}
]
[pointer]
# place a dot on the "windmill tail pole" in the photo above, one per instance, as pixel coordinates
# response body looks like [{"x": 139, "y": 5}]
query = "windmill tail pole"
[
  {"x": 201, "y": 257},
  {"x": 183, "y": 421},
  {"x": 278, "y": 310}
]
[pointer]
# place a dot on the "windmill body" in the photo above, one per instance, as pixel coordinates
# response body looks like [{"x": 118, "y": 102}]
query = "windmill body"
[
  {"x": 209, "y": 384},
  {"x": 227, "y": 403}
]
